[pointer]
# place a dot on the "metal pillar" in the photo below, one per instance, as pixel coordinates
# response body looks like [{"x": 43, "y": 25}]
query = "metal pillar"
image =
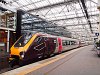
[
  {"x": 8, "y": 36},
  {"x": 99, "y": 19},
  {"x": 99, "y": 26}
]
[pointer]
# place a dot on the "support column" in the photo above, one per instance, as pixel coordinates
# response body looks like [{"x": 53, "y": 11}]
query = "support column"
[
  {"x": 99, "y": 19},
  {"x": 99, "y": 26},
  {"x": 8, "y": 36}
]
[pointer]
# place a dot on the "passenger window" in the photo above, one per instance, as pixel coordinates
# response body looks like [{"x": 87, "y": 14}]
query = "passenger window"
[
  {"x": 68, "y": 42},
  {"x": 71, "y": 43},
  {"x": 64, "y": 43}
]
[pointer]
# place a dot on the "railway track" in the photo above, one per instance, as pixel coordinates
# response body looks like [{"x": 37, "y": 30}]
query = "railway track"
[{"x": 8, "y": 69}]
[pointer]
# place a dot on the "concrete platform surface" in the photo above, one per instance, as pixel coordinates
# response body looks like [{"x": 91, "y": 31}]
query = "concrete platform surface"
[{"x": 83, "y": 61}]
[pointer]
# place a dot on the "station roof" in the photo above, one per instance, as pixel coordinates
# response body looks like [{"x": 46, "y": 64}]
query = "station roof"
[{"x": 80, "y": 17}]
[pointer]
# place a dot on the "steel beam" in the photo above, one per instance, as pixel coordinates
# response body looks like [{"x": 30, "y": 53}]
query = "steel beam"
[
  {"x": 73, "y": 17},
  {"x": 78, "y": 24},
  {"x": 86, "y": 14}
]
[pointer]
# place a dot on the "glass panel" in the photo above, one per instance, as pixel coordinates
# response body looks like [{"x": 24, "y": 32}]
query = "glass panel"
[
  {"x": 55, "y": 1},
  {"x": 42, "y": 3},
  {"x": 11, "y": 20},
  {"x": 3, "y": 20},
  {"x": 23, "y": 40},
  {"x": 8, "y": 19}
]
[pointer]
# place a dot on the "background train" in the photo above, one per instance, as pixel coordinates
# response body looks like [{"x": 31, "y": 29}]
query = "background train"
[{"x": 32, "y": 46}]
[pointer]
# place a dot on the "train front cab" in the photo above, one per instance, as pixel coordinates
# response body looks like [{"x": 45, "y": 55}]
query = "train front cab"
[{"x": 19, "y": 48}]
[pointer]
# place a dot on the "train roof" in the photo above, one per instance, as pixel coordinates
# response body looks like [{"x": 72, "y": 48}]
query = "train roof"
[{"x": 53, "y": 36}]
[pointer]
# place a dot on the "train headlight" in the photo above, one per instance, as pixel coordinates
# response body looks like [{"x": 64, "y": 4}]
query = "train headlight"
[
  {"x": 22, "y": 54},
  {"x": 98, "y": 48}
]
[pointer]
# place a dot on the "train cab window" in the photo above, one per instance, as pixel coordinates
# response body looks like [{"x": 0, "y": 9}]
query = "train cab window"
[
  {"x": 23, "y": 40},
  {"x": 27, "y": 37}
]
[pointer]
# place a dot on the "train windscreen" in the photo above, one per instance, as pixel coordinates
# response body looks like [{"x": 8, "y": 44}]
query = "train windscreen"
[{"x": 23, "y": 40}]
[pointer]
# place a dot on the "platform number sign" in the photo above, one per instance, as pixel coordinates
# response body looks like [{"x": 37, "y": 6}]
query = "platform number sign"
[{"x": 97, "y": 34}]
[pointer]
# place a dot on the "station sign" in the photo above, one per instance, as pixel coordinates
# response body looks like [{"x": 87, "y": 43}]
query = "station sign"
[{"x": 96, "y": 34}]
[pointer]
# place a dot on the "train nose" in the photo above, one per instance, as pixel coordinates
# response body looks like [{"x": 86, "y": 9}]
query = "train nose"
[{"x": 16, "y": 51}]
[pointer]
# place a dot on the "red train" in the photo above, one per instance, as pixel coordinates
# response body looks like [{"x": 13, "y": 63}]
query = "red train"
[{"x": 32, "y": 46}]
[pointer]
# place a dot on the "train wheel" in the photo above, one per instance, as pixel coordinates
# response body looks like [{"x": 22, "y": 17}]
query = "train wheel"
[{"x": 21, "y": 63}]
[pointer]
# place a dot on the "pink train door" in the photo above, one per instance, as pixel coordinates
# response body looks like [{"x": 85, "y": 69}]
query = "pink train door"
[{"x": 59, "y": 45}]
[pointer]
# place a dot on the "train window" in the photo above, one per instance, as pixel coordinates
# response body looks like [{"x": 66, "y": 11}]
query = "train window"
[
  {"x": 67, "y": 42},
  {"x": 27, "y": 37},
  {"x": 72, "y": 42},
  {"x": 38, "y": 39},
  {"x": 64, "y": 43},
  {"x": 23, "y": 40}
]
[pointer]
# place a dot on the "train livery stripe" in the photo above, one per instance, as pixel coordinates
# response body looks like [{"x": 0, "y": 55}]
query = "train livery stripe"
[{"x": 26, "y": 71}]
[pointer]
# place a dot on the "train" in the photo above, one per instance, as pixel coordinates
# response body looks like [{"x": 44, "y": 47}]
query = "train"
[{"x": 32, "y": 46}]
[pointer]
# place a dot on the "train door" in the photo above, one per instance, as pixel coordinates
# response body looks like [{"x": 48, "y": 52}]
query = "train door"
[{"x": 59, "y": 45}]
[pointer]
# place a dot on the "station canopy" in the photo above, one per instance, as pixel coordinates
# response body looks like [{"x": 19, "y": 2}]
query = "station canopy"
[{"x": 80, "y": 17}]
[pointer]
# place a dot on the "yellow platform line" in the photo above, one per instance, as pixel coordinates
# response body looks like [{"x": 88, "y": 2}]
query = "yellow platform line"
[{"x": 26, "y": 71}]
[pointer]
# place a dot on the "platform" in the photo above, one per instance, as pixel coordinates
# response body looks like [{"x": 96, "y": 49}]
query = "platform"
[{"x": 81, "y": 61}]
